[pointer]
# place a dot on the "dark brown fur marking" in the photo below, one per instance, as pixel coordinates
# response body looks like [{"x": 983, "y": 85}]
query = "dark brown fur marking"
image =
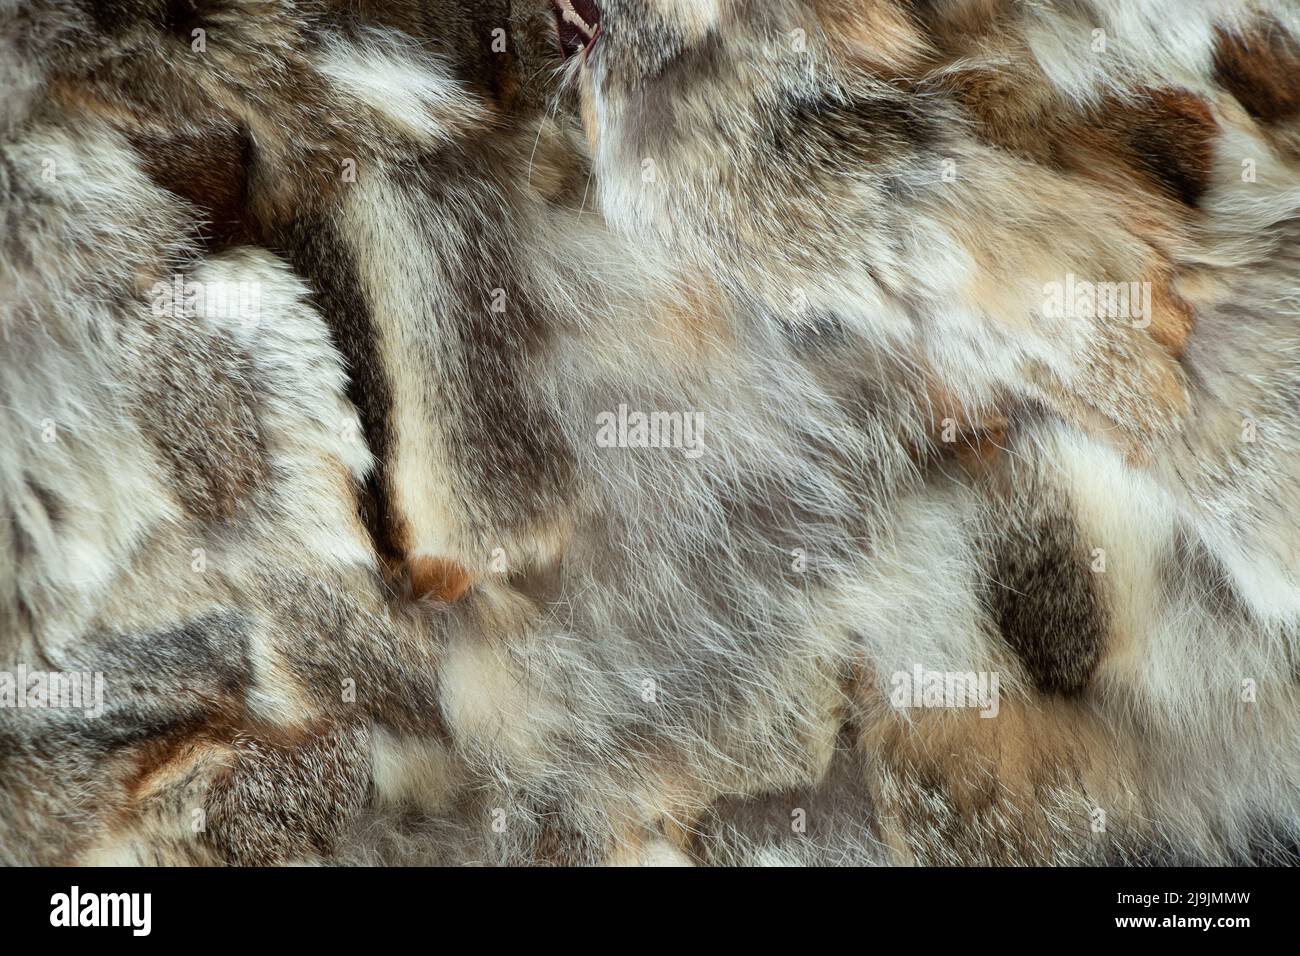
[
  {"x": 1169, "y": 137},
  {"x": 503, "y": 441},
  {"x": 325, "y": 260},
  {"x": 1045, "y": 603},
  {"x": 1161, "y": 139},
  {"x": 1261, "y": 69},
  {"x": 208, "y": 169}
]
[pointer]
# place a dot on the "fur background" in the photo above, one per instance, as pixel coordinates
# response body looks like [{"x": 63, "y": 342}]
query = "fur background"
[{"x": 311, "y": 312}]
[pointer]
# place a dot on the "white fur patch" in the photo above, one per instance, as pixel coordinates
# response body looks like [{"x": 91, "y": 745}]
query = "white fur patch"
[{"x": 393, "y": 76}]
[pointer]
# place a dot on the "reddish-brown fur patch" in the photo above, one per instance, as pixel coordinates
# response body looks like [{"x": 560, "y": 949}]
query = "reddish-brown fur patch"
[
  {"x": 208, "y": 745},
  {"x": 434, "y": 577},
  {"x": 1159, "y": 142},
  {"x": 1167, "y": 137},
  {"x": 695, "y": 322},
  {"x": 1010, "y": 104},
  {"x": 1261, "y": 68},
  {"x": 174, "y": 757},
  {"x": 1172, "y": 316}
]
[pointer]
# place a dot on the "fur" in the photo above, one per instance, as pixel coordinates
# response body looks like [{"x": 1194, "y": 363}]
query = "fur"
[{"x": 367, "y": 585}]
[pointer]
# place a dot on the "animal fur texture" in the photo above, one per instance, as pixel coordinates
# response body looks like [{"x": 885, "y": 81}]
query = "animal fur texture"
[{"x": 520, "y": 433}]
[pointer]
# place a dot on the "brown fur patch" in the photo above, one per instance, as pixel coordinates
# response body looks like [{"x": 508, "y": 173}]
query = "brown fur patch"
[
  {"x": 1167, "y": 137},
  {"x": 209, "y": 169},
  {"x": 1014, "y": 789},
  {"x": 1160, "y": 141},
  {"x": 326, "y": 769},
  {"x": 186, "y": 752},
  {"x": 1172, "y": 316},
  {"x": 202, "y": 155},
  {"x": 1009, "y": 103},
  {"x": 174, "y": 764},
  {"x": 433, "y": 577},
  {"x": 1261, "y": 68},
  {"x": 954, "y": 21},
  {"x": 695, "y": 322},
  {"x": 1042, "y": 595}
]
